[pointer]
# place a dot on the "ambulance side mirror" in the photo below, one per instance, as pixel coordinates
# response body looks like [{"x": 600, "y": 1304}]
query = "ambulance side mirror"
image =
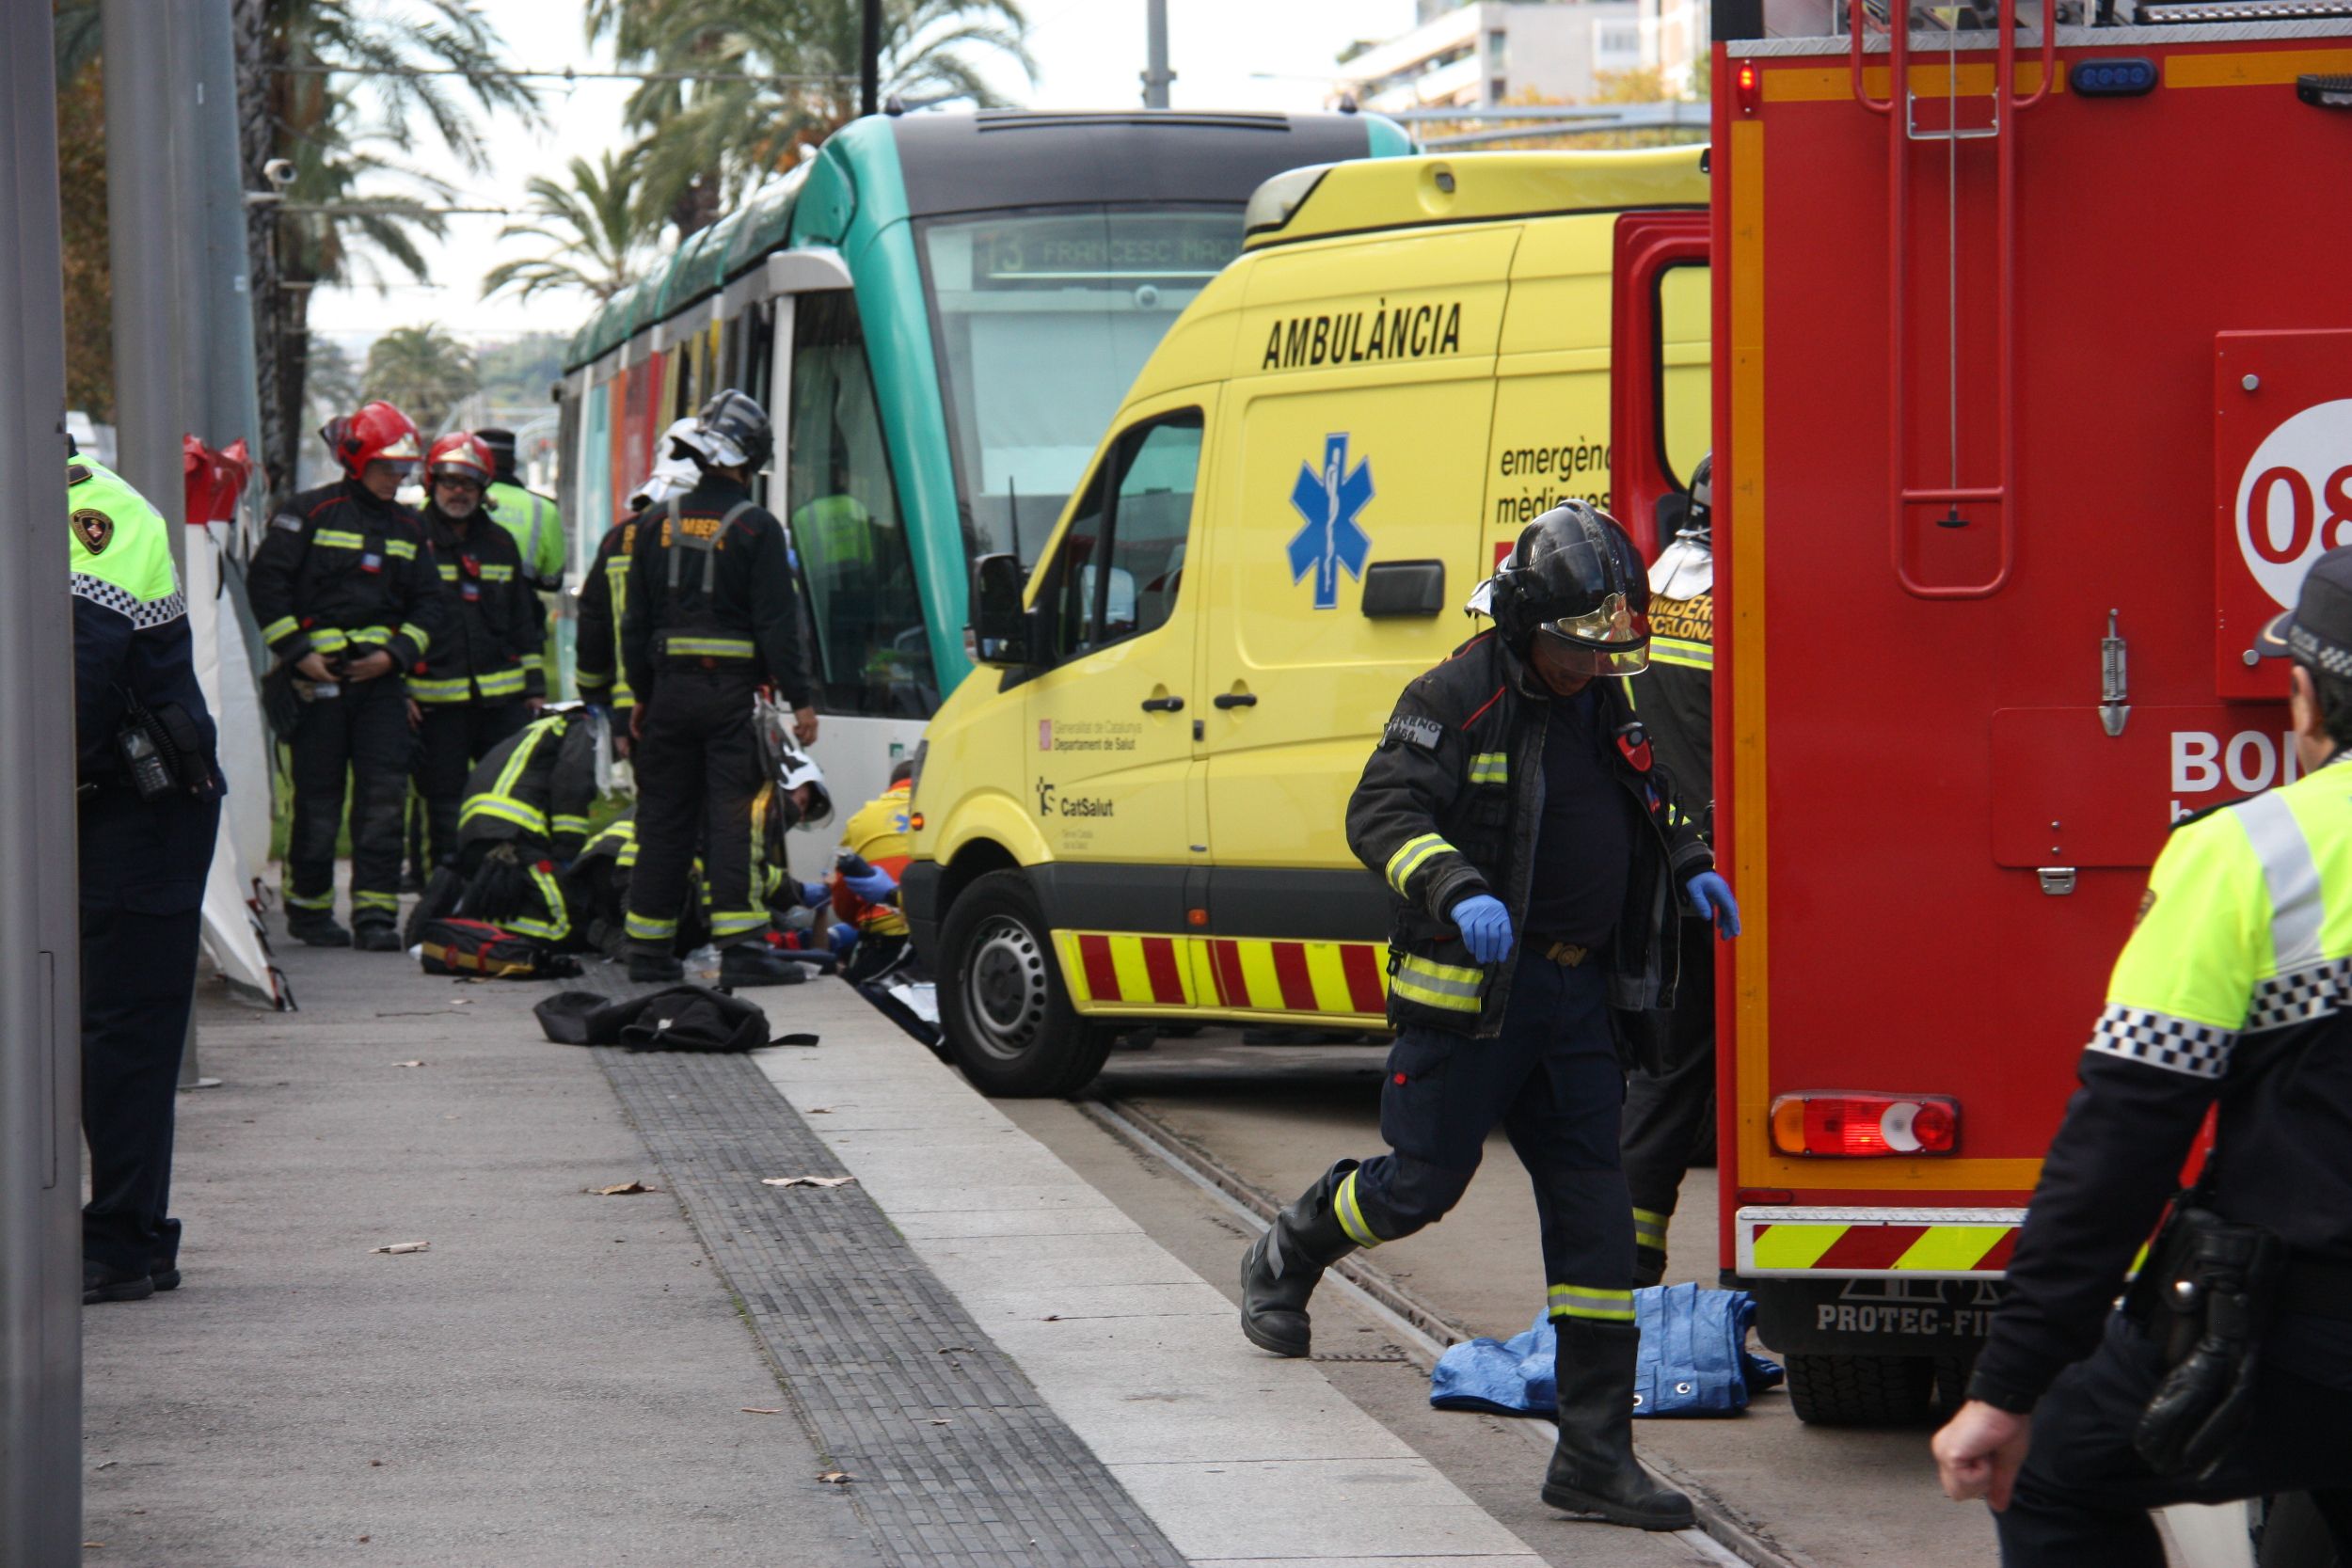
[{"x": 1003, "y": 632}]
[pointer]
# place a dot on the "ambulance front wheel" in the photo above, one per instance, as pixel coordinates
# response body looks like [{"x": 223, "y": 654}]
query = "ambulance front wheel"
[{"x": 1003, "y": 1005}]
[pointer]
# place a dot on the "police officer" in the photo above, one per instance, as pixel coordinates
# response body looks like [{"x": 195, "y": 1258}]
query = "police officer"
[
  {"x": 604, "y": 592},
  {"x": 536, "y": 526},
  {"x": 344, "y": 587},
  {"x": 143, "y": 865},
  {"x": 1534, "y": 851},
  {"x": 525, "y": 818},
  {"x": 1669, "y": 1098},
  {"x": 2229, "y": 993},
  {"x": 711, "y": 614},
  {"x": 483, "y": 682}
]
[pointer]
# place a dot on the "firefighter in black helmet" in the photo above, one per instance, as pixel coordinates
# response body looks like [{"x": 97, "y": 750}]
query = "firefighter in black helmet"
[
  {"x": 711, "y": 616},
  {"x": 1537, "y": 861}
]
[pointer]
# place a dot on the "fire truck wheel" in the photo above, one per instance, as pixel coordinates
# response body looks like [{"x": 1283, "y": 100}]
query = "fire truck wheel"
[
  {"x": 1861, "y": 1390},
  {"x": 1952, "y": 1370},
  {"x": 1002, "y": 1003}
]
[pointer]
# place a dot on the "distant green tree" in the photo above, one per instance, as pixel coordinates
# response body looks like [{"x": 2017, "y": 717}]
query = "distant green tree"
[
  {"x": 423, "y": 370},
  {"x": 593, "y": 224},
  {"x": 720, "y": 138},
  {"x": 518, "y": 374},
  {"x": 331, "y": 382}
]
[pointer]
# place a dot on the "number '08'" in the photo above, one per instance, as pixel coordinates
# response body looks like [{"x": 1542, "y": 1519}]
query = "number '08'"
[{"x": 2336, "y": 493}]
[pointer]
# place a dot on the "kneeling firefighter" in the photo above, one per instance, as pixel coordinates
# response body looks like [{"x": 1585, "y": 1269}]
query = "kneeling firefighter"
[
  {"x": 1534, "y": 853},
  {"x": 524, "y": 820}
]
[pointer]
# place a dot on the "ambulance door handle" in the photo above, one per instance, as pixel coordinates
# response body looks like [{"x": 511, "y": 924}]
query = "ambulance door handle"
[
  {"x": 1163, "y": 705},
  {"x": 1235, "y": 699}
]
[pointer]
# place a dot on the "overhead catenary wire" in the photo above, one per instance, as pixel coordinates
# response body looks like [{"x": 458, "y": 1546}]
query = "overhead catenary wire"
[{"x": 567, "y": 73}]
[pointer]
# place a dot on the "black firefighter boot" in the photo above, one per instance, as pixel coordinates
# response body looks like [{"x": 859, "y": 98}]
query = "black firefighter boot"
[
  {"x": 1593, "y": 1470},
  {"x": 1279, "y": 1271}
]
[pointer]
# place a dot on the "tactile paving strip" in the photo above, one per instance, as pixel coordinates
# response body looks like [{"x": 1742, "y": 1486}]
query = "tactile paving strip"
[{"x": 955, "y": 1458}]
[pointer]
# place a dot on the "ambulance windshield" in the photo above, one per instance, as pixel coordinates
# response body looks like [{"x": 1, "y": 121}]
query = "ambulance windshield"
[{"x": 1043, "y": 319}]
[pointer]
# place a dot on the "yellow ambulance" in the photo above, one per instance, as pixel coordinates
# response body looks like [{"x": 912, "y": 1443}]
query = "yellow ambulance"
[{"x": 1131, "y": 812}]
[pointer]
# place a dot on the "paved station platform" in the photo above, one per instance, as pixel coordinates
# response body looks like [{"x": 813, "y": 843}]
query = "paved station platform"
[{"x": 965, "y": 1355}]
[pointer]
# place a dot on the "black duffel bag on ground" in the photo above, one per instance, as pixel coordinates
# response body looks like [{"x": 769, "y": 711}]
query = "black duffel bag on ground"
[{"x": 681, "y": 1018}]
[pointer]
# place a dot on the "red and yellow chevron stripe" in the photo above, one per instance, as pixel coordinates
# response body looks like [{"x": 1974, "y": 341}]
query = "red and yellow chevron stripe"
[
  {"x": 1946, "y": 1244},
  {"x": 1113, "y": 971}
]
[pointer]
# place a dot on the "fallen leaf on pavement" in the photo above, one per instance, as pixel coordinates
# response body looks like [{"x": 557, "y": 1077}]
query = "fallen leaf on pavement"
[
  {"x": 761, "y": 1410},
  {"x": 105, "y": 1464},
  {"x": 820, "y": 1110},
  {"x": 463, "y": 1002},
  {"x": 950, "y": 1350},
  {"x": 836, "y": 1477},
  {"x": 1053, "y": 1317},
  {"x": 806, "y": 1181},
  {"x": 622, "y": 1189},
  {"x": 408, "y": 1064},
  {"x": 402, "y": 1246}
]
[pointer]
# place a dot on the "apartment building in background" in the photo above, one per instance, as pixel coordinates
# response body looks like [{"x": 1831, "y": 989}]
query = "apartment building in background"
[{"x": 1497, "y": 51}]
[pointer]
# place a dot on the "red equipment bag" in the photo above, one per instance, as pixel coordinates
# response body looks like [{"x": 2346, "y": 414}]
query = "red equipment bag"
[{"x": 477, "y": 947}]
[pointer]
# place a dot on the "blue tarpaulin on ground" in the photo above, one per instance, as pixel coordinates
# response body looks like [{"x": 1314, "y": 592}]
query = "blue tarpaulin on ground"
[{"x": 1694, "y": 1360}]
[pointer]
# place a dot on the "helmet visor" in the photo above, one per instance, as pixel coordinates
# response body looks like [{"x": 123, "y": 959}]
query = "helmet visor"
[{"x": 1584, "y": 659}]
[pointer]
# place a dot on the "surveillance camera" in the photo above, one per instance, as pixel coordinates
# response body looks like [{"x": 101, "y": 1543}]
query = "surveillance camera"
[{"x": 279, "y": 172}]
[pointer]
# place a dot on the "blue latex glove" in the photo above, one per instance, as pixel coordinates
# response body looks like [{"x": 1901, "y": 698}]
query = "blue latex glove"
[
  {"x": 1712, "y": 896},
  {"x": 814, "y": 895},
  {"x": 1485, "y": 926},
  {"x": 874, "y": 884},
  {"x": 842, "y": 937}
]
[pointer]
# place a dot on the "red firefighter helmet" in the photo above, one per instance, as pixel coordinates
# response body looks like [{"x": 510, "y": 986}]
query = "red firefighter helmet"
[
  {"x": 462, "y": 454},
  {"x": 379, "y": 432}
]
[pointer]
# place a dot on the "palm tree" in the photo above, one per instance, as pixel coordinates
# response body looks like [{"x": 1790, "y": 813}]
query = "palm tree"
[
  {"x": 352, "y": 136},
  {"x": 720, "y": 138},
  {"x": 421, "y": 370},
  {"x": 594, "y": 225}
]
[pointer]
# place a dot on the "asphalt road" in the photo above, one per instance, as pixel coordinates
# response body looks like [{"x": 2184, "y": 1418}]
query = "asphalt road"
[{"x": 1277, "y": 1116}]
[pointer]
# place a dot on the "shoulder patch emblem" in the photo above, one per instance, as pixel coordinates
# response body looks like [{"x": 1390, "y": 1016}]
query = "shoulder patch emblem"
[
  {"x": 288, "y": 521},
  {"x": 1413, "y": 730},
  {"x": 75, "y": 473},
  {"x": 95, "y": 530},
  {"x": 2147, "y": 902}
]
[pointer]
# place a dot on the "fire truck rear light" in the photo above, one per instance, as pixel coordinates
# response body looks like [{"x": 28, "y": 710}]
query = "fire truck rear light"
[{"x": 1862, "y": 1125}]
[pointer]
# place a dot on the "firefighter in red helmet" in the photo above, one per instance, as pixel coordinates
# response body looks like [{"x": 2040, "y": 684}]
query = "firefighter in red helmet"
[
  {"x": 350, "y": 604},
  {"x": 483, "y": 681}
]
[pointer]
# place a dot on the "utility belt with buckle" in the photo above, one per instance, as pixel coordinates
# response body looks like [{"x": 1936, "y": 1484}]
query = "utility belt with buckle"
[{"x": 1567, "y": 955}]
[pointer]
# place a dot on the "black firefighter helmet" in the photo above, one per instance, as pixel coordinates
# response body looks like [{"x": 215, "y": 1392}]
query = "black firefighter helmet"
[
  {"x": 732, "y": 431},
  {"x": 1576, "y": 579}
]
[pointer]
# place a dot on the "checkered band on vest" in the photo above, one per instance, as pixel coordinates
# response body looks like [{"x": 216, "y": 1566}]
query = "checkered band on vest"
[
  {"x": 142, "y": 614},
  {"x": 2159, "y": 1040},
  {"x": 2318, "y": 991}
]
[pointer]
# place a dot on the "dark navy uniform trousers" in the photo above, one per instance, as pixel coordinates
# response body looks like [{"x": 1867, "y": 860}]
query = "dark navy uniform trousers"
[
  {"x": 1551, "y": 1079},
  {"x": 142, "y": 882}
]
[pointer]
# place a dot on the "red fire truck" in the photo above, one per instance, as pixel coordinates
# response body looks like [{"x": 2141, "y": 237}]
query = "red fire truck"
[{"x": 2033, "y": 399}]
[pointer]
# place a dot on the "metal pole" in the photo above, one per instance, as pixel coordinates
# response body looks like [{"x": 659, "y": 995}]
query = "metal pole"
[
  {"x": 1156, "y": 76},
  {"x": 40, "y": 1053},
  {"x": 155, "y": 247},
  {"x": 869, "y": 60}
]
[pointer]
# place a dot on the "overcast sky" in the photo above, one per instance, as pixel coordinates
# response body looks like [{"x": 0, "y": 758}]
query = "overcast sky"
[{"x": 1226, "y": 53}]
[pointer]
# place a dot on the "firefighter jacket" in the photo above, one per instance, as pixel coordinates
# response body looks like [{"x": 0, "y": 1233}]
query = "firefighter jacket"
[
  {"x": 2234, "y": 989},
  {"x": 496, "y": 627},
  {"x": 710, "y": 587},
  {"x": 1449, "y": 806},
  {"x": 1674, "y": 697},
  {"x": 344, "y": 573},
  {"x": 129, "y": 619},
  {"x": 537, "y": 526},
  {"x": 603, "y": 598},
  {"x": 537, "y": 787}
]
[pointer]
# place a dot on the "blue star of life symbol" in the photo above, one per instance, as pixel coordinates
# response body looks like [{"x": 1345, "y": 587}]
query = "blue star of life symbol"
[{"x": 1330, "y": 501}]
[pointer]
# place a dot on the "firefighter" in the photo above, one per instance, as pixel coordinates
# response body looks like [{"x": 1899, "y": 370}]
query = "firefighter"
[
  {"x": 530, "y": 518},
  {"x": 710, "y": 615},
  {"x": 604, "y": 592},
  {"x": 1670, "y": 1097},
  {"x": 483, "y": 682},
  {"x": 345, "y": 589},
  {"x": 1534, "y": 851},
  {"x": 525, "y": 819},
  {"x": 2228, "y": 996},
  {"x": 143, "y": 865}
]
